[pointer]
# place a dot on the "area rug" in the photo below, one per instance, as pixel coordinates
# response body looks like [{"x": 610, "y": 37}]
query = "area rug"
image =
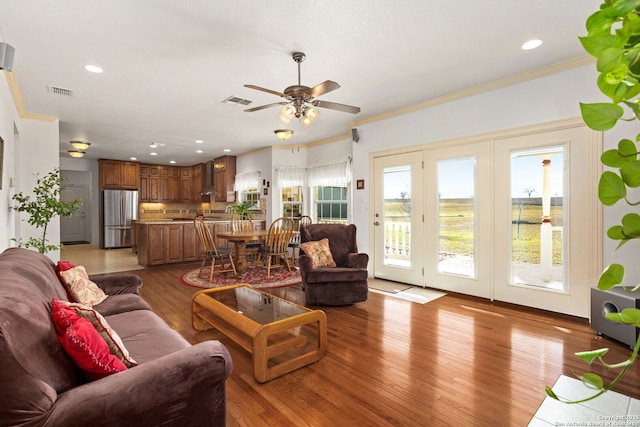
[{"x": 256, "y": 277}]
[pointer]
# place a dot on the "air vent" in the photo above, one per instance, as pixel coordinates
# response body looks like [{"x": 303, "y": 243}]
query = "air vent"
[
  {"x": 235, "y": 101},
  {"x": 55, "y": 90}
]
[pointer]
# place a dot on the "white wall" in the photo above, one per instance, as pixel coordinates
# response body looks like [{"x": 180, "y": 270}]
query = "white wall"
[
  {"x": 8, "y": 118},
  {"x": 541, "y": 100}
]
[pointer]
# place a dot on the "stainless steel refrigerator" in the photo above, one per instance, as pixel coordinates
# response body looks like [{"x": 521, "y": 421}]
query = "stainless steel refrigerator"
[{"x": 119, "y": 209}]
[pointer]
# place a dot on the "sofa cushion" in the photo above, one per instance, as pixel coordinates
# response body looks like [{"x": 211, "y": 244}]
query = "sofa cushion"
[
  {"x": 319, "y": 253},
  {"x": 82, "y": 289},
  {"x": 83, "y": 343},
  {"x": 152, "y": 341},
  {"x": 116, "y": 346}
]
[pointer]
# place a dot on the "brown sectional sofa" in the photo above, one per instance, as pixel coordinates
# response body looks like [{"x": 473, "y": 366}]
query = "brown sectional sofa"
[{"x": 175, "y": 383}]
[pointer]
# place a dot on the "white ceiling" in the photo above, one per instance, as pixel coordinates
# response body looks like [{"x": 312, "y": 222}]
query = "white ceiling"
[{"x": 169, "y": 64}]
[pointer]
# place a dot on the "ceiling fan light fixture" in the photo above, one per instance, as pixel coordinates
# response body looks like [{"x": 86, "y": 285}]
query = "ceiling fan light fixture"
[
  {"x": 80, "y": 145},
  {"x": 76, "y": 154},
  {"x": 283, "y": 134},
  {"x": 286, "y": 113}
]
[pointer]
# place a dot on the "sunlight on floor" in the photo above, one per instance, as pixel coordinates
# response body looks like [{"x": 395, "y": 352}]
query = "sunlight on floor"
[{"x": 98, "y": 261}]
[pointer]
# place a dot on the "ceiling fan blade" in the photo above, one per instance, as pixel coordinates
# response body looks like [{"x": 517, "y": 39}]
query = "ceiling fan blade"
[
  {"x": 322, "y": 88},
  {"x": 266, "y": 90},
  {"x": 336, "y": 106},
  {"x": 262, "y": 107}
]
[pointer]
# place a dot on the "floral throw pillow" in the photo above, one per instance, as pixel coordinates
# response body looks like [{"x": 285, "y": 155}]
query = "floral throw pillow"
[
  {"x": 81, "y": 288},
  {"x": 319, "y": 253},
  {"x": 113, "y": 340},
  {"x": 83, "y": 343}
]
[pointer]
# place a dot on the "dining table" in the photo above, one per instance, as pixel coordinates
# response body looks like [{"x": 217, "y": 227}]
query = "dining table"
[{"x": 240, "y": 240}]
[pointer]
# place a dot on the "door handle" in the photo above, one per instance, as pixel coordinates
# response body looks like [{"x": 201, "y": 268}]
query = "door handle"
[{"x": 376, "y": 223}]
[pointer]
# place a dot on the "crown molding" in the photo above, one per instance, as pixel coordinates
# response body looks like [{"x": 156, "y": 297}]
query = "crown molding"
[{"x": 16, "y": 94}]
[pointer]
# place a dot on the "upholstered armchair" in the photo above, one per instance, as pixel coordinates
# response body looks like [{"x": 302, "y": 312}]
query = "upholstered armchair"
[{"x": 337, "y": 276}]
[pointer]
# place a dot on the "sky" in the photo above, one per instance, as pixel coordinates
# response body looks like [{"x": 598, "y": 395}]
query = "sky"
[{"x": 456, "y": 177}]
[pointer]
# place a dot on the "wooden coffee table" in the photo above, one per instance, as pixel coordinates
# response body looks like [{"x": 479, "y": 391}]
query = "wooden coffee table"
[{"x": 280, "y": 335}]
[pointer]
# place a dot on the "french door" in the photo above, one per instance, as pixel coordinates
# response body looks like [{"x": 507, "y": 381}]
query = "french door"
[
  {"x": 459, "y": 219},
  {"x": 547, "y": 218},
  {"x": 398, "y": 220}
]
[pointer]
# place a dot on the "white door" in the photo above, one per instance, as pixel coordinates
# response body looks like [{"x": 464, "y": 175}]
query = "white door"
[
  {"x": 547, "y": 221},
  {"x": 74, "y": 228},
  {"x": 459, "y": 219},
  {"x": 398, "y": 221}
]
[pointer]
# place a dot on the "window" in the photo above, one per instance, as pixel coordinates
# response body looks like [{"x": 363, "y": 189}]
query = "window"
[
  {"x": 248, "y": 187},
  {"x": 331, "y": 204},
  {"x": 251, "y": 197},
  {"x": 292, "y": 202}
]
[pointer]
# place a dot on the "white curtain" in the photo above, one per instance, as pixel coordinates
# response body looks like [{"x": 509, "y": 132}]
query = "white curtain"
[
  {"x": 334, "y": 175},
  {"x": 290, "y": 176},
  {"x": 247, "y": 181}
]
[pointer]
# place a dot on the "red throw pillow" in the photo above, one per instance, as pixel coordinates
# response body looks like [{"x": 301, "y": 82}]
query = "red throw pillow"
[
  {"x": 64, "y": 266},
  {"x": 83, "y": 343}
]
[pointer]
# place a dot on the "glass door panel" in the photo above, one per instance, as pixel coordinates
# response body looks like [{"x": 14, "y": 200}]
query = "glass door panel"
[
  {"x": 398, "y": 218},
  {"x": 537, "y": 217},
  {"x": 457, "y": 216}
]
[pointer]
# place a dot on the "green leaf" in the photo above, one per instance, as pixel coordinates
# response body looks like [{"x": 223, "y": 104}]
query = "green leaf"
[
  {"x": 631, "y": 316},
  {"x": 635, "y": 108},
  {"x": 551, "y": 393},
  {"x": 601, "y": 116},
  {"x": 622, "y": 7},
  {"x": 593, "y": 381},
  {"x": 615, "y": 233},
  {"x": 599, "y": 23},
  {"x": 610, "y": 59},
  {"x": 631, "y": 225},
  {"x": 595, "y": 45},
  {"x": 591, "y": 355},
  {"x": 611, "y": 276},
  {"x": 630, "y": 172},
  {"x": 615, "y": 158},
  {"x": 611, "y": 188},
  {"x": 616, "y": 75}
]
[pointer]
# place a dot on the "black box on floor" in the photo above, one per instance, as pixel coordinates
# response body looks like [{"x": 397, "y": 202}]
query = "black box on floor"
[{"x": 614, "y": 300}]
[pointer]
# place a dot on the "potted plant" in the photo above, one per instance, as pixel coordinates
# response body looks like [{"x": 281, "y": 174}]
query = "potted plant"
[
  {"x": 42, "y": 207},
  {"x": 241, "y": 209},
  {"x": 614, "y": 40}
]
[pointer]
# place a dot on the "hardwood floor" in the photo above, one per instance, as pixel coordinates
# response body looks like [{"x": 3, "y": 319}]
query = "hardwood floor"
[{"x": 457, "y": 360}]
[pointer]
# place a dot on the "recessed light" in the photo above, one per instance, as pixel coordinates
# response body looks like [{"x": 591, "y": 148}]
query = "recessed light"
[
  {"x": 154, "y": 153},
  {"x": 199, "y": 141},
  {"x": 154, "y": 145},
  {"x": 531, "y": 44},
  {"x": 199, "y": 151},
  {"x": 173, "y": 162},
  {"x": 133, "y": 158},
  {"x": 93, "y": 68},
  {"x": 227, "y": 150}
]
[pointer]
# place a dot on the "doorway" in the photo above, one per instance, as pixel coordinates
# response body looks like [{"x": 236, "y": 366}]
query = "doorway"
[{"x": 76, "y": 228}]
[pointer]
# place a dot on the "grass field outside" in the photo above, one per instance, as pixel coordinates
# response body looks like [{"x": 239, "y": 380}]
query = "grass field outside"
[{"x": 457, "y": 228}]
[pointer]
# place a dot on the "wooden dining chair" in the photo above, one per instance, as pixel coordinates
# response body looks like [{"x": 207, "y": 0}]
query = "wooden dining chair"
[
  {"x": 294, "y": 244},
  {"x": 240, "y": 224},
  {"x": 275, "y": 248},
  {"x": 220, "y": 257}
]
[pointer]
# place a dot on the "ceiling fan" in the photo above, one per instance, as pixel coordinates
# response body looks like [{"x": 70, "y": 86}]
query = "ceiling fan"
[{"x": 300, "y": 100}]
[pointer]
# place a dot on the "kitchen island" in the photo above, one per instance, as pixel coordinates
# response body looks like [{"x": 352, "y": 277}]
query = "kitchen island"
[{"x": 161, "y": 242}]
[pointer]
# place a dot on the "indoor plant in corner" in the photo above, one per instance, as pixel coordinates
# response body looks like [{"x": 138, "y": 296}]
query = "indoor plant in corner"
[
  {"x": 241, "y": 209},
  {"x": 614, "y": 40},
  {"x": 42, "y": 207}
]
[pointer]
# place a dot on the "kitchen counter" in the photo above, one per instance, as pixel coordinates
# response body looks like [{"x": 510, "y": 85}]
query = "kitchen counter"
[{"x": 168, "y": 241}]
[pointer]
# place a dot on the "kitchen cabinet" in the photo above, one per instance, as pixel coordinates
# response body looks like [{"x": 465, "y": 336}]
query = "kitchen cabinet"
[
  {"x": 197, "y": 182},
  {"x": 118, "y": 175},
  {"x": 159, "y": 244},
  {"x": 172, "y": 242},
  {"x": 224, "y": 169},
  {"x": 185, "y": 184},
  {"x": 191, "y": 243}
]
